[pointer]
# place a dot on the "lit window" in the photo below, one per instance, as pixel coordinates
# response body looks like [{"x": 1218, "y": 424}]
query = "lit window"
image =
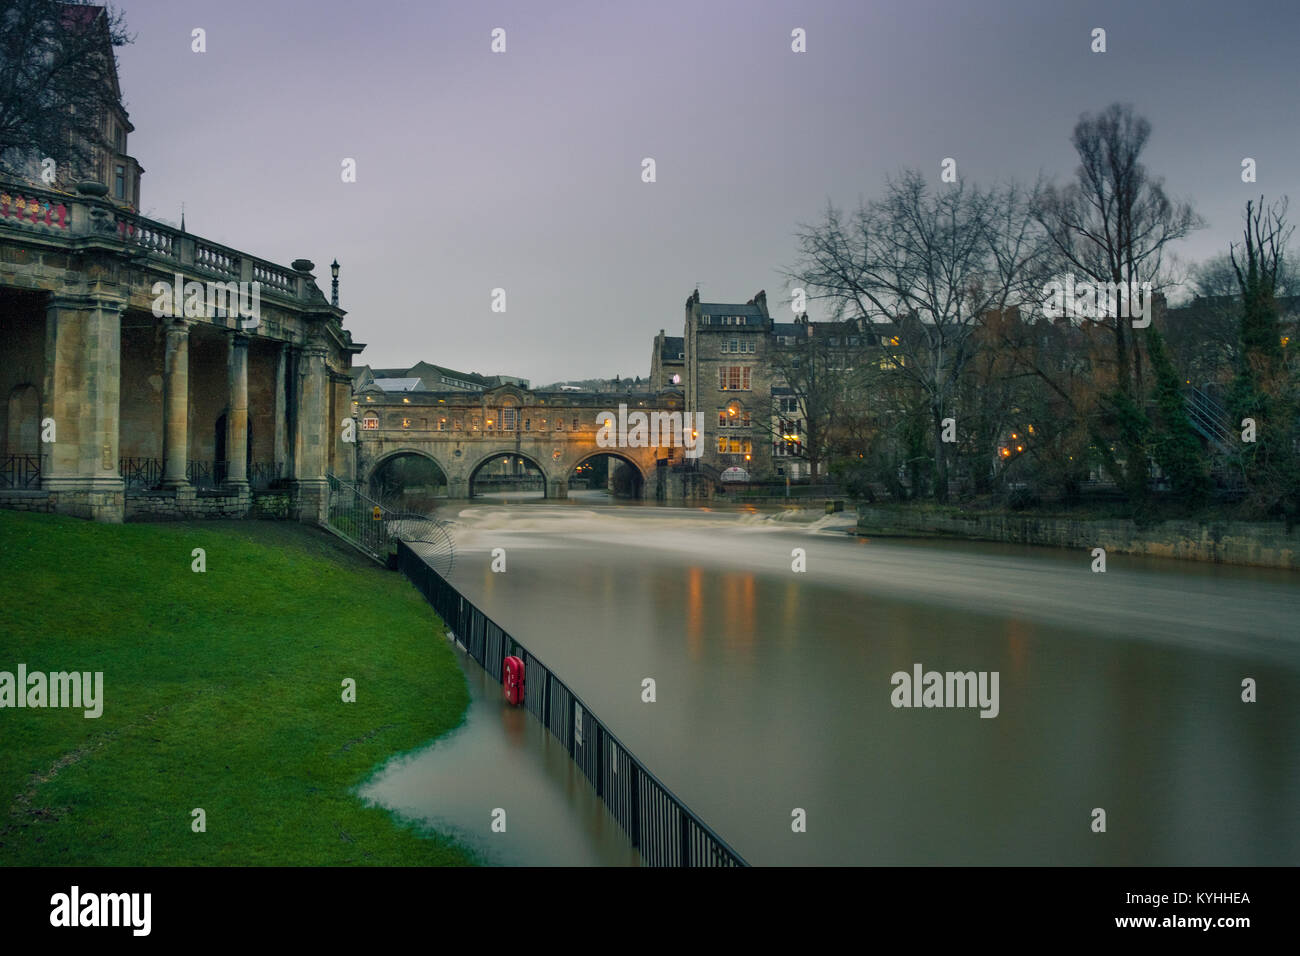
[
  {"x": 508, "y": 419},
  {"x": 442, "y": 424},
  {"x": 733, "y": 378},
  {"x": 406, "y": 423},
  {"x": 370, "y": 423}
]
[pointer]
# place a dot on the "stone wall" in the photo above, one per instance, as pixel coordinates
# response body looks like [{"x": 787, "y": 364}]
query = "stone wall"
[
  {"x": 1263, "y": 544},
  {"x": 185, "y": 504},
  {"x": 14, "y": 500},
  {"x": 171, "y": 505},
  {"x": 272, "y": 504},
  {"x": 95, "y": 505}
]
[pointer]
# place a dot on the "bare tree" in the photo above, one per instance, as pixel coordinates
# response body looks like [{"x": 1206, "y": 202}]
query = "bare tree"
[
  {"x": 57, "y": 80},
  {"x": 1111, "y": 225},
  {"x": 931, "y": 264},
  {"x": 1258, "y": 276},
  {"x": 1267, "y": 389}
]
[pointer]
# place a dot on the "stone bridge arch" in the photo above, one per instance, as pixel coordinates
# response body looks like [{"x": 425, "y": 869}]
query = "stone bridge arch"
[
  {"x": 553, "y": 431},
  {"x": 509, "y": 449},
  {"x": 628, "y": 456},
  {"x": 370, "y": 471}
]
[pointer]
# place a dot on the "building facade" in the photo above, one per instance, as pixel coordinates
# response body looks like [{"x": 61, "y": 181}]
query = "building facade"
[{"x": 149, "y": 373}]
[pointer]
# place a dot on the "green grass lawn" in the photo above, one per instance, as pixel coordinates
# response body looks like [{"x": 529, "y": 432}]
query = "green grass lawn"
[{"x": 222, "y": 690}]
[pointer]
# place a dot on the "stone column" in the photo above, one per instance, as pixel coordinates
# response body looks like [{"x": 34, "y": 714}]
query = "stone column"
[
  {"x": 280, "y": 451},
  {"x": 311, "y": 489},
  {"x": 83, "y": 359},
  {"x": 237, "y": 417},
  {"x": 176, "y": 404}
]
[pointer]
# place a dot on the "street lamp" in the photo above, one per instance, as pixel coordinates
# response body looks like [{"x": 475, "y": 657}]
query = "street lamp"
[{"x": 334, "y": 285}]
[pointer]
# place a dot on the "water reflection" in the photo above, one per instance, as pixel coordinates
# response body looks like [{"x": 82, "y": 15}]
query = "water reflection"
[
  {"x": 1119, "y": 691},
  {"x": 503, "y": 758}
]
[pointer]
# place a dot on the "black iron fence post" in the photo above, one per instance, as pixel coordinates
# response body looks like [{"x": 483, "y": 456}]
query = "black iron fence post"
[
  {"x": 634, "y": 806},
  {"x": 686, "y": 836}
]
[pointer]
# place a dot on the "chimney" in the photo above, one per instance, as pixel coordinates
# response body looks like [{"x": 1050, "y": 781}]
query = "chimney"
[{"x": 760, "y": 300}]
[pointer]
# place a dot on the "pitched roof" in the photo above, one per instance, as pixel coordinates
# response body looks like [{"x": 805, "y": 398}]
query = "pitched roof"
[{"x": 399, "y": 384}]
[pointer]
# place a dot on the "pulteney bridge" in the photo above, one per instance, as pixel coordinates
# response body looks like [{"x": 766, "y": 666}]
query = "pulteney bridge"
[{"x": 461, "y": 432}]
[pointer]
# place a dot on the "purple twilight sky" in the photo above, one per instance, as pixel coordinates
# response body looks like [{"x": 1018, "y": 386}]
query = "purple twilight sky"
[{"x": 522, "y": 170}]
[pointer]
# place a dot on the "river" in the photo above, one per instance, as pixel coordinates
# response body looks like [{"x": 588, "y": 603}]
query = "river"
[{"x": 775, "y": 693}]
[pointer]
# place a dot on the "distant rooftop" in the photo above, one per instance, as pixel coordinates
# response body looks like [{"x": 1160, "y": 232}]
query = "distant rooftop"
[
  {"x": 399, "y": 384},
  {"x": 673, "y": 348},
  {"x": 723, "y": 308}
]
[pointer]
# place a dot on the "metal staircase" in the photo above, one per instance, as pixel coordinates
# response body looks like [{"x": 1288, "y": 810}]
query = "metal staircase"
[{"x": 1210, "y": 419}]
